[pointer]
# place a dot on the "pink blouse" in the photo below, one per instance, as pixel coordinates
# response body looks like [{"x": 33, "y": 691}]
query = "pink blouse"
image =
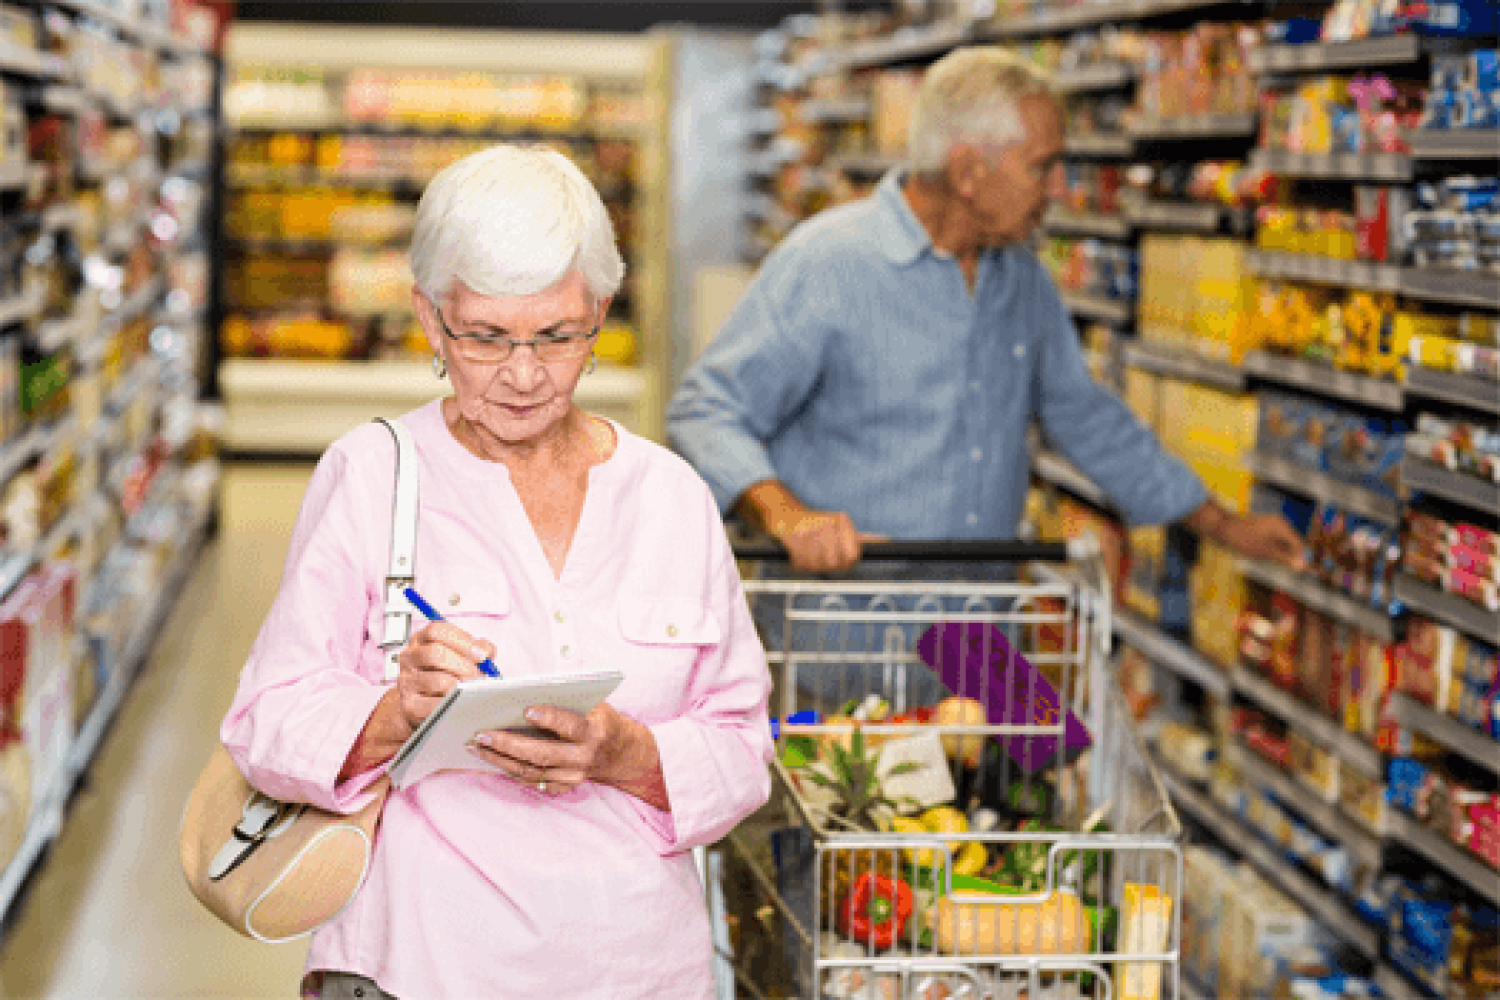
[{"x": 479, "y": 886}]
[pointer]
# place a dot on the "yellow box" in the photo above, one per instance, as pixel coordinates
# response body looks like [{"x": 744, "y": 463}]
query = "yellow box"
[{"x": 1143, "y": 396}]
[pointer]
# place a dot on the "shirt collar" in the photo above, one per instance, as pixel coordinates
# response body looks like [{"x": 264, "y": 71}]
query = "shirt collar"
[{"x": 904, "y": 237}]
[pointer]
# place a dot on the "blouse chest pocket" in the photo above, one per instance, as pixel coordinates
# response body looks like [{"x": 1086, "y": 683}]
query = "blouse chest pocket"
[
  {"x": 662, "y": 641},
  {"x": 476, "y": 601}
]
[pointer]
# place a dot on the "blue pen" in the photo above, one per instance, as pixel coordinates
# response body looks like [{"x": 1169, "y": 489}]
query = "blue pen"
[{"x": 486, "y": 664}]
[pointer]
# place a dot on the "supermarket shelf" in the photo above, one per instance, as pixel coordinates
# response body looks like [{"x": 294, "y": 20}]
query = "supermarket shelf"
[
  {"x": 1397, "y": 50},
  {"x": 1320, "y": 598},
  {"x": 1312, "y": 895},
  {"x": 1167, "y": 652},
  {"x": 1457, "y": 861},
  {"x": 147, "y": 33},
  {"x": 903, "y": 46},
  {"x": 65, "y": 99},
  {"x": 1099, "y": 145},
  {"x": 1089, "y": 13},
  {"x": 1190, "y": 990},
  {"x": 1309, "y": 482},
  {"x": 1151, "y": 358},
  {"x": 1094, "y": 307},
  {"x": 15, "y": 175},
  {"x": 1193, "y": 127},
  {"x": 1458, "y": 612},
  {"x": 1325, "y": 815},
  {"x": 1465, "y": 390},
  {"x": 1463, "y": 288},
  {"x": 28, "y": 62},
  {"x": 1350, "y": 747},
  {"x": 1450, "y": 144},
  {"x": 67, "y": 215},
  {"x": 303, "y": 406},
  {"x": 829, "y": 111},
  {"x": 404, "y": 130},
  {"x": 864, "y": 164},
  {"x": 22, "y": 307},
  {"x": 139, "y": 301},
  {"x": 1419, "y": 474},
  {"x": 58, "y": 333},
  {"x": 1325, "y": 270},
  {"x": 1446, "y": 730},
  {"x": 1395, "y": 986},
  {"x": 1325, "y": 380},
  {"x": 1059, "y": 471},
  {"x": 1197, "y": 218},
  {"x": 1335, "y": 166},
  {"x": 1102, "y": 76},
  {"x": 50, "y": 806},
  {"x": 1059, "y": 220},
  {"x": 16, "y": 453},
  {"x": 308, "y": 245}
]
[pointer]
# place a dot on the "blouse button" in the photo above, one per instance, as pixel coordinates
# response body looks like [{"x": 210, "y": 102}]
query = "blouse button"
[
  {"x": 453, "y": 600},
  {"x": 559, "y": 617},
  {"x": 672, "y": 631},
  {"x": 567, "y": 651}
]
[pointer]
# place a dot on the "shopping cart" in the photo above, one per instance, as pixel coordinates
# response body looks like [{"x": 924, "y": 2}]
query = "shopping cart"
[{"x": 1063, "y": 878}]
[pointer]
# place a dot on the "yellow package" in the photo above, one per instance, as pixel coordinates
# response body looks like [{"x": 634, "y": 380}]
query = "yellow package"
[
  {"x": 1147, "y": 919},
  {"x": 1143, "y": 396},
  {"x": 1143, "y": 578}
]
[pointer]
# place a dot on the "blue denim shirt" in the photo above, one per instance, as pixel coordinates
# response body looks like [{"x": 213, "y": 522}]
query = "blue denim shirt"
[{"x": 860, "y": 370}]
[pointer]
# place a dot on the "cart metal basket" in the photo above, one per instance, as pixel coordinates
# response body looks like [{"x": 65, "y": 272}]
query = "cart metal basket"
[{"x": 1079, "y": 888}]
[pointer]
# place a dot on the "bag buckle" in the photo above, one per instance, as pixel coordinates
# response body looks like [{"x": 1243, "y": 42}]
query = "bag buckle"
[{"x": 261, "y": 819}]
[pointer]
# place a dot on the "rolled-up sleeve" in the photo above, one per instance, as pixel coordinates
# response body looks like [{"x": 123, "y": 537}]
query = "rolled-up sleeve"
[
  {"x": 714, "y": 756},
  {"x": 740, "y": 391},
  {"x": 1094, "y": 428},
  {"x": 302, "y": 702}
]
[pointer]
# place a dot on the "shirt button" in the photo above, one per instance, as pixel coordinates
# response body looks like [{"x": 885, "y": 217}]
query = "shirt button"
[
  {"x": 672, "y": 631},
  {"x": 973, "y": 519},
  {"x": 1020, "y": 350},
  {"x": 453, "y": 600},
  {"x": 559, "y": 617},
  {"x": 976, "y": 454},
  {"x": 973, "y": 386},
  {"x": 567, "y": 651}
]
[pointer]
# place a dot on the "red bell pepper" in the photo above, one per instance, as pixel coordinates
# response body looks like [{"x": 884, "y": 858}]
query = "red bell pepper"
[{"x": 876, "y": 910}]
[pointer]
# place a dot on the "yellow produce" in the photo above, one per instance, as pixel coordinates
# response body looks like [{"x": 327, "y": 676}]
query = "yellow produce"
[
  {"x": 971, "y": 859},
  {"x": 945, "y": 819},
  {"x": 961, "y": 712},
  {"x": 1056, "y": 926},
  {"x": 923, "y": 857}
]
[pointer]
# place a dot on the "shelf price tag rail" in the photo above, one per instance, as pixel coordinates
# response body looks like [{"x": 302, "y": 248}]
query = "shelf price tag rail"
[
  {"x": 1471, "y": 743},
  {"x": 1323, "y": 814},
  {"x": 1420, "y": 475},
  {"x": 1457, "y": 861},
  {"x": 1310, "y": 482},
  {"x": 1150, "y": 357}
]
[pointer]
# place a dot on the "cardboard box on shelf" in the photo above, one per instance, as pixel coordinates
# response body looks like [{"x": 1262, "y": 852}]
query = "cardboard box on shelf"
[
  {"x": 1143, "y": 396},
  {"x": 1218, "y": 597}
]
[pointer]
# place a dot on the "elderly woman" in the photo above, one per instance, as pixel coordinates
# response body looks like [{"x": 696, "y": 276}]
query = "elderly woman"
[{"x": 554, "y": 541}]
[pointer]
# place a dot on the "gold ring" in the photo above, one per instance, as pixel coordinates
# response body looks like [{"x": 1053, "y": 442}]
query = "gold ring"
[{"x": 541, "y": 786}]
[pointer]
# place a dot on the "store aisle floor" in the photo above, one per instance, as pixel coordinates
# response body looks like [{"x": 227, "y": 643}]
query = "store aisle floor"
[{"x": 108, "y": 913}]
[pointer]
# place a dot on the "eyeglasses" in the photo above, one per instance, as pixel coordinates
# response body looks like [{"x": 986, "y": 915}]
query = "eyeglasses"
[{"x": 495, "y": 349}]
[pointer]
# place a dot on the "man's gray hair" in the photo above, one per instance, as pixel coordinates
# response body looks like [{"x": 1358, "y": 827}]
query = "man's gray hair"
[
  {"x": 970, "y": 95},
  {"x": 513, "y": 220}
]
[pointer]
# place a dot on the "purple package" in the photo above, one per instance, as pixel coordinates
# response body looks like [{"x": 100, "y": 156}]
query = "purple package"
[{"x": 976, "y": 660}]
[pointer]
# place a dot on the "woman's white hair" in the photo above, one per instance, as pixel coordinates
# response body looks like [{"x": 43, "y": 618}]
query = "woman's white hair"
[
  {"x": 513, "y": 220},
  {"x": 970, "y": 95}
]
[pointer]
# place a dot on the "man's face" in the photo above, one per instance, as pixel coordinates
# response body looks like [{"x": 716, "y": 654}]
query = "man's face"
[{"x": 1008, "y": 195}]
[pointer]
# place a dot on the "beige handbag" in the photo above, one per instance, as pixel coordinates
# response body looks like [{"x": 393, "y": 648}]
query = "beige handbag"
[{"x": 275, "y": 870}]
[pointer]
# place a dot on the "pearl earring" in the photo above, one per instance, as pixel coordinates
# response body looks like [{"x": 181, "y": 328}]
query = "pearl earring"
[{"x": 439, "y": 366}]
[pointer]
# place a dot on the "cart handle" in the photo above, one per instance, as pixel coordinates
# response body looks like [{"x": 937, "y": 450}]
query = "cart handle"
[{"x": 1074, "y": 550}]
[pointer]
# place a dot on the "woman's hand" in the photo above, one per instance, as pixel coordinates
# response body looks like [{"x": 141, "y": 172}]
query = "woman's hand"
[
  {"x": 603, "y": 746},
  {"x": 435, "y": 659}
]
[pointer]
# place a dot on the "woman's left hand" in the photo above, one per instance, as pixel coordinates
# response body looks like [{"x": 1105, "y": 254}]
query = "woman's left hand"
[{"x": 603, "y": 746}]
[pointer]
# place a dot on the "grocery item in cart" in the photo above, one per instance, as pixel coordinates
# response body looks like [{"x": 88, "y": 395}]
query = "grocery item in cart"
[{"x": 976, "y": 659}]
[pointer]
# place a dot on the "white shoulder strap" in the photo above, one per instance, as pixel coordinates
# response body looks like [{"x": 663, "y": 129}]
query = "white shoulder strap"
[{"x": 401, "y": 573}]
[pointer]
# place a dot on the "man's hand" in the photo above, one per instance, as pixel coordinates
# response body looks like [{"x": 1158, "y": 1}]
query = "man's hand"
[
  {"x": 818, "y": 541},
  {"x": 1259, "y": 536}
]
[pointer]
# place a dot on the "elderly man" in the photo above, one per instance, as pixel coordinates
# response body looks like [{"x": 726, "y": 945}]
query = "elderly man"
[{"x": 879, "y": 375}]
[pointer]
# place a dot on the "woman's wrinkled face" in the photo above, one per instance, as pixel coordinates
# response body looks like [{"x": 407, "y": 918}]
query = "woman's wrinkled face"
[{"x": 522, "y": 398}]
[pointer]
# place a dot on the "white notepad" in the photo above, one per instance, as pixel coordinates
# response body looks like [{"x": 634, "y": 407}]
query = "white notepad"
[{"x": 472, "y": 707}]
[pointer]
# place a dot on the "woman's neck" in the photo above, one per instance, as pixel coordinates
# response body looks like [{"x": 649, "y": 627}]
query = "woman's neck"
[{"x": 575, "y": 439}]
